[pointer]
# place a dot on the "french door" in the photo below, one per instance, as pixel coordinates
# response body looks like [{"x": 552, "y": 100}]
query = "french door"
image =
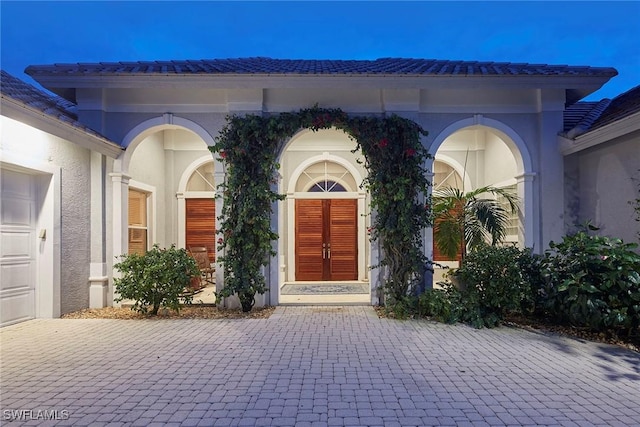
[{"x": 326, "y": 239}]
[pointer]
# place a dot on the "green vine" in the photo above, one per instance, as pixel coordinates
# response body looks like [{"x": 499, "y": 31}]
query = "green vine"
[{"x": 249, "y": 147}]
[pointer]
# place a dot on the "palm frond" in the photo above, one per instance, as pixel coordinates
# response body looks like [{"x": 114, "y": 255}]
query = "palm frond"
[{"x": 470, "y": 218}]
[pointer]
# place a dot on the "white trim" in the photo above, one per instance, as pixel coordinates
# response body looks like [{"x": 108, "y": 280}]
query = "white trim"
[
  {"x": 152, "y": 193},
  {"x": 600, "y": 135},
  {"x": 334, "y": 81},
  {"x": 183, "y": 194},
  {"x": 193, "y": 166},
  {"x": 140, "y": 132},
  {"x": 324, "y": 157},
  {"x": 119, "y": 224},
  {"x": 525, "y": 174},
  {"x": 456, "y": 165},
  {"x": 288, "y": 270},
  {"x": 508, "y": 135},
  {"x": 48, "y": 258},
  {"x": 20, "y": 112}
]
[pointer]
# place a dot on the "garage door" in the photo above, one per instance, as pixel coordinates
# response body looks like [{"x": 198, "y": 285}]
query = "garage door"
[{"x": 17, "y": 247}]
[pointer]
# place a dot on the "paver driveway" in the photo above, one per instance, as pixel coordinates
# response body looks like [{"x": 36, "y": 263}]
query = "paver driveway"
[{"x": 309, "y": 366}]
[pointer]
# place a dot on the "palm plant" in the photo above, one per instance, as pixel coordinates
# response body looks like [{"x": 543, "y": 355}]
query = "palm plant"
[{"x": 465, "y": 220}]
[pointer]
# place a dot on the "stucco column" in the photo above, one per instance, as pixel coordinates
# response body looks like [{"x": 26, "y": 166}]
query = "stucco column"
[
  {"x": 550, "y": 182},
  {"x": 120, "y": 223},
  {"x": 427, "y": 235},
  {"x": 98, "y": 278},
  {"x": 219, "y": 177},
  {"x": 528, "y": 233},
  {"x": 182, "y": 214}
]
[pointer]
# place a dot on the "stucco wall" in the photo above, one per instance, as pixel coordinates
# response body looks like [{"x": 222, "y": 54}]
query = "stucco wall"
[
  {"x": 602, "y": 180},
  {"x": 148, "y": 167},
  {"x": 500, "y": 166},
  {"x": 74, "y": 164}
]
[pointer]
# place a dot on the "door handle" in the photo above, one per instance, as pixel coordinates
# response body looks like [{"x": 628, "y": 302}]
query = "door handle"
[
  {"x": 329, "y": 250},
  {"x": 324, "y": 251}
]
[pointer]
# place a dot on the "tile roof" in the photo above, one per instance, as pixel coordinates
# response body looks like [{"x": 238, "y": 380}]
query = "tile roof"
[
  {"x": 589, "y": 114},
  {"x": 583, "y": 117},
  {"x": 48, "y": 104},
  {"x": 576, "y": 112},
  {"x": 262, "y": 65},
  {"x": 620, "y": 107}
]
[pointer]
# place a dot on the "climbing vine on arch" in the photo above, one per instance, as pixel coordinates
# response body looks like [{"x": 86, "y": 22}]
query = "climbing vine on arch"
[{"x": 397, "y": 182}]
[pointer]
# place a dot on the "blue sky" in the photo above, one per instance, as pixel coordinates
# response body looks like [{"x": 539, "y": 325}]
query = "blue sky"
[{"x": 574, "y": 32}]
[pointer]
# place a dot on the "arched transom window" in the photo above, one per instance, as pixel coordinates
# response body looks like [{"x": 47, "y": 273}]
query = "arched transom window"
[
  {"x": 326, "y": 177},
  {"x": 202, "y": 179}
]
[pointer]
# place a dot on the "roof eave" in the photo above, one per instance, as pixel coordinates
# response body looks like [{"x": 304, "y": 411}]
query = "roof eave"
[
  {"x": 19, "y": 111},
  {"x": 601, "y": 134},
  {"x": 576, "y": 87}
]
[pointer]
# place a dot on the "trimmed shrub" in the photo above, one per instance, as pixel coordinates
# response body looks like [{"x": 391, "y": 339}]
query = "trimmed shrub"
[
  {"x": 593, "y": 281},
  {"x": 494, "y": 285},
  {"x": 156, "y": 279},
  {"x": 442, "y": 305}
]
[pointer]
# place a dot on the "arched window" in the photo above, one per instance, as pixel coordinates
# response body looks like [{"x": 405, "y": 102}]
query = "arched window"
[
  {"x": 326, "y": 177},
  {"x": 326, "y": 186},
  {"x": 202, "y": 179}
]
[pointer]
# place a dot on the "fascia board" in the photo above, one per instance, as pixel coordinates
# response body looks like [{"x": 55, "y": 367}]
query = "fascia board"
[
  {"x": 46, "y": 123},
  {"x": 603, "y": 134},
  {"x": 297, "y": 81}
]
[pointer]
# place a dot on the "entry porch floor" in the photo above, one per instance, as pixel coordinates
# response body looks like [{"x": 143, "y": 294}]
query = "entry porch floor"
[{"x": 302, "y": 293}]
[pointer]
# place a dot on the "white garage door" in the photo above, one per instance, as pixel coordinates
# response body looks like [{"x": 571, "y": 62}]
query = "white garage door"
[{"x": 17, "y": 247}]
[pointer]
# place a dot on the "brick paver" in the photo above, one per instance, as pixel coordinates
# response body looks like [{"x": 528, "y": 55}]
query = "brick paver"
[{"x": 308, "y": 366}]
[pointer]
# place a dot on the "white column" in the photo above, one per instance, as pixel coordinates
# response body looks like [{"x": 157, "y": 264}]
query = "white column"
[
  {"x": 550, "y": 182},
  {"x": 219, "y": 177},
  {"x": 120, "y": 223},
  {"x": 527, "y": 231},
  {"x": 98, "y": 278},
  {"x": 182, "y": 220},
  {"x": 290, "y": 268},
  {"x": 363, "y": 268},
  {"x": 427, "y": 234}
]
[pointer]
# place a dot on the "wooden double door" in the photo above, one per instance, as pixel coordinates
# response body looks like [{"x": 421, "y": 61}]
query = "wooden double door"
[
  {"x": 200, "y": 225},
  {"x": 326, "y": 236}
]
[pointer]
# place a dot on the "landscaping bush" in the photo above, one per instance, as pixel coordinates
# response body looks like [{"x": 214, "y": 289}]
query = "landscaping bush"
[
  {"x": 593, "y": 281},
  {"x": 442, "y": 305},
  {"x": 530, "y": 265},
  {"x": 402, "y": 308},
  {"x": 156, "y": 279},
  {"x": 494, "y": 285}
]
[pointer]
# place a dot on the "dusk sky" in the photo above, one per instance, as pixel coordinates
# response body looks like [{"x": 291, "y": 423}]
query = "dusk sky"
[{"x": 602, "y": 34}]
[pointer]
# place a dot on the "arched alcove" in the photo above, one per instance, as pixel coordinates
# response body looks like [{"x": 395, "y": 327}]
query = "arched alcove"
[
  {"x": 486, "y": 152},
  {"x": 161, "y": 153},
  {"x": 322, "y": 178}
]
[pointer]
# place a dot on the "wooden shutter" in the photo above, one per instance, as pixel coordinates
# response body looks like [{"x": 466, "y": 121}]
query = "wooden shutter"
[
  {"x": 343, "y": 233},
  {"x": 137, "y": 208},
  {"x": 137, "y": 222},
  {"x": 326, "y": 239},
  {"x": 437, "y": 255},
  {"x": 309, "y": 239},
  {"x": 201, "y": 225}
]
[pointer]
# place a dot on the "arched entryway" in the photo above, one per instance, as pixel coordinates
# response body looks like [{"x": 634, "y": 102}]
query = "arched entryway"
[
  {"x": 482, "y": 152},
  {"x": 163, "y": 166},
  {"x": 323, "y": 222}
]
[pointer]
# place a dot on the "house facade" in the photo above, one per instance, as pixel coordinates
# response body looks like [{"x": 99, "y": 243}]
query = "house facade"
[
  {"x": 52, "y": 198},
  {"x": 601, "y": 148},
  {"x": 488, "y": 123}
]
